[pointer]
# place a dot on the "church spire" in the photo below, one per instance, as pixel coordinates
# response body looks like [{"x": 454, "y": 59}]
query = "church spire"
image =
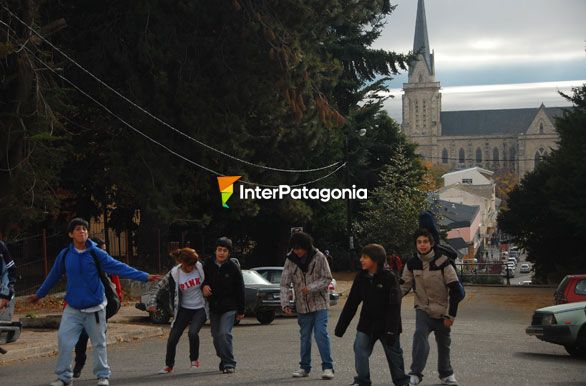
[{"x": 421, "y": 41}]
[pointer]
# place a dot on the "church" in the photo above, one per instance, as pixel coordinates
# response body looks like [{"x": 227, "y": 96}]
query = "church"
[{"x": 514, "y": 139}]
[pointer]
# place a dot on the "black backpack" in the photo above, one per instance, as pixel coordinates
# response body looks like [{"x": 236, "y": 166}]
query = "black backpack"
[{"x": 114, "y": 303}]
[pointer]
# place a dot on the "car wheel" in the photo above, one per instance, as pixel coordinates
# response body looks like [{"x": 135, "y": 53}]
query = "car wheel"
[
  {"x": 160, "y": 316},
  {"x": 265, "y": 317},
  {"x": 579, "y": 349}
]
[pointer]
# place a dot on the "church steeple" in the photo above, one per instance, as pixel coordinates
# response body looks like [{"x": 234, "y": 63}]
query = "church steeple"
[{"x": 421, "y": 41}]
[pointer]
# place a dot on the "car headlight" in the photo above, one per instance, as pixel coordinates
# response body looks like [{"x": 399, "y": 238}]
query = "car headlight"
[{"x": 548, "y": 320}]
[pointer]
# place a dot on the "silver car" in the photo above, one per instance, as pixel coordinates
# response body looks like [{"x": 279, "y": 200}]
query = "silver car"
[{"x": 564, "y": 324}]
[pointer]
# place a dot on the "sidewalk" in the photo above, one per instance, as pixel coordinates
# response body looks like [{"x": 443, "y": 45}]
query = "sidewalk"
[{"x": 35, "y": 343}]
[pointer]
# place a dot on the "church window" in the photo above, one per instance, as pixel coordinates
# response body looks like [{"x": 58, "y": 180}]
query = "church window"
[
  {"x": 445, "y": 156},
  {"x": 540, "y": 127},
  {"x": 513, "y": 155},
  {"x": 467, "y": 181},
  {"x": 539, "y": 155},
  {"x": 478, "y": 155},
  {"x": 461, "y": 156},
  {"x": 495, "y": 157}
]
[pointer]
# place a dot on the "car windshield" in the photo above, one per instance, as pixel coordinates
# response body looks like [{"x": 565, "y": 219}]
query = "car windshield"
[{"x": 252, "y": 278}]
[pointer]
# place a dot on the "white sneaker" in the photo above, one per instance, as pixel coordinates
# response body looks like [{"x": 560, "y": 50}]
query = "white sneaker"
[
  {"x": 451, "y": 380},
  {"x": 301, "y": 373},
  {"x": 414, "y": 380},
  {"x": 327, "y": 374},
  {"x": 165, "y": 370},
  {"x": 103, "y": 382},
  {"x": 59, "y": 382}
]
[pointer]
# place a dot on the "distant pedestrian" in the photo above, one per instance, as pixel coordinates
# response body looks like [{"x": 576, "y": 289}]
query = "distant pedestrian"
[
  {"x": 380, "y": 318},
  {"x": 7, "y": 282},
  {"x": 86, "y": 299},
  {"x": 224, "y": 288},
  {"x": 307, "y": 269},
  {"x": 183, "y": 286},
  {"x": 437, "y": 293}
]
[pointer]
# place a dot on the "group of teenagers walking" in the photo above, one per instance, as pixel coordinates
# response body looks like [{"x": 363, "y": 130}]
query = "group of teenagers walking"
[{"x": 213, "y": 290}]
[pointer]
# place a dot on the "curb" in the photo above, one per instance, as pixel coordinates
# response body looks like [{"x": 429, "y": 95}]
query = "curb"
[{"x": 52, "y": 348}]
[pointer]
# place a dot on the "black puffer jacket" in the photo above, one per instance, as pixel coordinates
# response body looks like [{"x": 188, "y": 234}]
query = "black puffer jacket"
[
  {"x": 381, "y": 305},
  {"x": 227, "y": 286}
]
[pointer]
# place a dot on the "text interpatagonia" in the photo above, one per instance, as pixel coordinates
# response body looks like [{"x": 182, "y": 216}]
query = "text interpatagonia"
[{"x": 302, "y": 193}]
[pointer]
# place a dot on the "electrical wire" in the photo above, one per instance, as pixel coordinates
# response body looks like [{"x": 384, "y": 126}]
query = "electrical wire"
[
  {"x": 130, "y": 126},
  {"x": 145, "y": 111}
]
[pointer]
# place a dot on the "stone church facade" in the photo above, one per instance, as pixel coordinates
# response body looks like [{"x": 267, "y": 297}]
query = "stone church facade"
[{"x": 516, "y": 139}]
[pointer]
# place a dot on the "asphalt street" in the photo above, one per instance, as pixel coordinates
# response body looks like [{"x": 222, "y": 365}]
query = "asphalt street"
[{"x": 489, "y": 347}]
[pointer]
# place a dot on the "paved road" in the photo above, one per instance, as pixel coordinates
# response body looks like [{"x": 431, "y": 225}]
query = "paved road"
[{"x": 489, "y": 348}]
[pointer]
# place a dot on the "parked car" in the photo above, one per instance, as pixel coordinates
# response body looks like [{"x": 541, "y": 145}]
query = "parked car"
[
  {"x": 512, "y": 260},
  {"x": 571, "y": 289},
  {"x": 9, "y": 330},
  {"x": 262, "y": 299},
  {"x": 525, "y": 268},
  {"x": 563, "y": 324},
  {"x": 273, "y": 274}
]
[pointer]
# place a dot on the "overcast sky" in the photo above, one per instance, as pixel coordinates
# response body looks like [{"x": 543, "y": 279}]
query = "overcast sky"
[{"x": 525, "y": 50}]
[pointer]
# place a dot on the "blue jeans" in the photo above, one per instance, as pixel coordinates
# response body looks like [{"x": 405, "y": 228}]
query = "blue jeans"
[
  {"x": 221, "y": 326},
  {"x": 73, "y": 322},
  {"x": 318, "y": 323},
  {"x": 424, "y": 325},
  {"x": 363, "y": 345}
]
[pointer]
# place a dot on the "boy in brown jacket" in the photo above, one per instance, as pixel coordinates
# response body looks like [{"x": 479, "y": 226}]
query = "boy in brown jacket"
[{"x": 437, "y": 293}]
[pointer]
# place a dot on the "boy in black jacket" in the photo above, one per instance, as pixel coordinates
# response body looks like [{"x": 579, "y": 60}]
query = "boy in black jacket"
[
  {"x": 224, "y": 287},
  {"x": 380, "y": 319}
]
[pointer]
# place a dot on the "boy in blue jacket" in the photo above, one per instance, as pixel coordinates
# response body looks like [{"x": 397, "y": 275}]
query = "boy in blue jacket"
[{"x": 85, "y": 297}]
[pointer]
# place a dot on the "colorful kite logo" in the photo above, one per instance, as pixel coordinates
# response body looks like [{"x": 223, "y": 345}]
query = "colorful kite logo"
[{"x": 226, "y": 185}]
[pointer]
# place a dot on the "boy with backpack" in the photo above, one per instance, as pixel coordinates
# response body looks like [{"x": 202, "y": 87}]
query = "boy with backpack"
[
  {"x": 84, "y": 264},
  {"x": 438, "y": 291},
  {"x": 380, "y": 318}
]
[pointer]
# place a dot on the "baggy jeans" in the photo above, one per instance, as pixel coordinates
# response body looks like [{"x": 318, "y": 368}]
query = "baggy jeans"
[
  {"x": 221, "y": 328},
  {"x": 363, "y": 346},
  {"x": 424, "y": 325},
  {"x": 72, "y": 323},
  {"x": 316, "y": 322}
]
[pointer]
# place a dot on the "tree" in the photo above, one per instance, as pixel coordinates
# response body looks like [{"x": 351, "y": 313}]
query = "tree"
[
  {"x": 390, "y": 216},
  {"x": 546, "y": 210}
]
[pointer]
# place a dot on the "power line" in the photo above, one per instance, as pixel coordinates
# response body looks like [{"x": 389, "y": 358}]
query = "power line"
[
  {"x": 160, "y": 144},
  {"x": 145, "y": 111}
]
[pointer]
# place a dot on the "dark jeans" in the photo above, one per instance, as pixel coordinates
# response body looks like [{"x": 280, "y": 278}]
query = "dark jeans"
[
  {"x": 80, "y": 351},
  {"x": 424, "y": 325},
  {"x": 221, "y": 328},
  {"x": 363, "y": 346},
  {"x": 195, "y": 319}
]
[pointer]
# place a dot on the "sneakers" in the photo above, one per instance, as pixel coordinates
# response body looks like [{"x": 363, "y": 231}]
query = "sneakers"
[
  {"x": 194, "y": 365},
  {"x": 301, "y": 373},
  {"x": 60, "y": 382},
  {"x": 414, "y": 380},
  {"x": 229, "y": 370},
  {"x": 451, "y": 380},
  {"x": 165, "y": 370},
  {"x": 103, "y": 382},
  {"x": 327, "y": 374}
]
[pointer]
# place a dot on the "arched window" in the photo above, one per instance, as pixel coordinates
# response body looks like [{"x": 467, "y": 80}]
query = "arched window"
[
  {"x": 513, "y": 156},
  {"x": 539, "y": 155},
  {"x": 540, "y": 127},
  {"x": 495, "y": 157},
  {"x": 461, "y": 156},
  {"x": 478, "y": 155},
  {"x": 445, "y": 156}
]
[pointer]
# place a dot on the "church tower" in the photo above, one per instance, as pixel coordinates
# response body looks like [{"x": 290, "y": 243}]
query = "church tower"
[{"x": 422, "y": 98}]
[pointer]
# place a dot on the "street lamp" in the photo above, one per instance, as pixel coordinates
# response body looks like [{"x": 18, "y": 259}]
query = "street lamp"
[{"x": 361, "y": 133}]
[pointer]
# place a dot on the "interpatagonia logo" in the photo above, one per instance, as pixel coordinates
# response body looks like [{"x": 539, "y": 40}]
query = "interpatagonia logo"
[{"x": 226, "y": 185}]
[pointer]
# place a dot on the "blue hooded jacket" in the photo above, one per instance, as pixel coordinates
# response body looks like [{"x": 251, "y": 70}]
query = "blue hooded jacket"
[{"x": 84, "y": 287}]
